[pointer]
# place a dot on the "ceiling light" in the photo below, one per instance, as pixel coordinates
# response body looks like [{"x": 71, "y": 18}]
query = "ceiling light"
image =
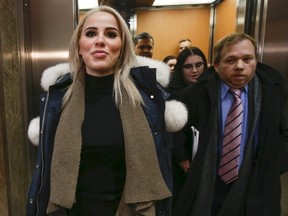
[
  {"x": 87, "y": 4},
  {"x": 181, "y": 2}
]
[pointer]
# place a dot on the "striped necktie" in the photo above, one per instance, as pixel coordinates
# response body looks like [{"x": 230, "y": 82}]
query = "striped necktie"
[{"x": 229, "y": 163}]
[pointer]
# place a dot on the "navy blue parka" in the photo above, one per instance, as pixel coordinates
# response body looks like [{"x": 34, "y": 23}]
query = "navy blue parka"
[{"x": 154, "y": 97}]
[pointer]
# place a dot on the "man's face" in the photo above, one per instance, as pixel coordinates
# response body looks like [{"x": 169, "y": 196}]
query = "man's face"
[
  {"x": 184, "y": 45},
  {"x": 238, "y": 64},
  {"x": 144, "y": 47}
]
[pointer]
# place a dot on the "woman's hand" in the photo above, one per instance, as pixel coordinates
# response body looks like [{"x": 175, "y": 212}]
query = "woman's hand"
[{"x": 185, "y": 165}]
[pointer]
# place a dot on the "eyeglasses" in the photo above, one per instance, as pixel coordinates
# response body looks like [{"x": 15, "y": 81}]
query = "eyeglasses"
[{"x": 190, "y": 66}]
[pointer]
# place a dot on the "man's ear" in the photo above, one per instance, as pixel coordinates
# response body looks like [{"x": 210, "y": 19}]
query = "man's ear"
[{"x": 216, "y": 67}]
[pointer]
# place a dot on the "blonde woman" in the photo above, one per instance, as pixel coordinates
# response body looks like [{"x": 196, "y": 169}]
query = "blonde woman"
[{"x": 104, "y": 145}]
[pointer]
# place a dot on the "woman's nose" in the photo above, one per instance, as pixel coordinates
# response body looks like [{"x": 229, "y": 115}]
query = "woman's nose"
[
  {"x": 194, "y": 69},
  {"x": 99, "y": 39}
]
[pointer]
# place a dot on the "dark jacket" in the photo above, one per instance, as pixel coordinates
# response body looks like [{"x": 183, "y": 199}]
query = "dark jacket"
[
  {"x": 145, "y": 80},
  {"x": 270, "y": 159}
]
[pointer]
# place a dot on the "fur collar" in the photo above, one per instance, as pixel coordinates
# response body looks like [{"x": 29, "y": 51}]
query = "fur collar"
[
  {"x": 162, "y": 69},
  {"x": 52, "y": 74},
  {"x": 176, "y": 114}
]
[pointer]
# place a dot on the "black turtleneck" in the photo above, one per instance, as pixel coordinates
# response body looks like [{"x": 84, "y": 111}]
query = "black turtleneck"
[{"x": 102, "y": 168}]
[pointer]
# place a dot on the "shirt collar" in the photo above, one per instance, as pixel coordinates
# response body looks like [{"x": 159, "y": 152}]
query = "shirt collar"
[{"x": 225, "y": 88}]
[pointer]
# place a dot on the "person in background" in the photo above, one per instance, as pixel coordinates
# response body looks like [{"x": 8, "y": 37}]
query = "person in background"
[
  {"x": 191, "y": 63},
  {"x": 239, "y": 112},
  {"x": 171, "y": 61},
  {"x": 184, "y": 43},
  {"x": 143, "y": 44},
  {"x": 104, "y": 146}
]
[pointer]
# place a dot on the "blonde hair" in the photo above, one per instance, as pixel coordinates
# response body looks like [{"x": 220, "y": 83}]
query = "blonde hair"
[
  {"x": 127, "y": 59},
  {"x": 230, "y": 40}
]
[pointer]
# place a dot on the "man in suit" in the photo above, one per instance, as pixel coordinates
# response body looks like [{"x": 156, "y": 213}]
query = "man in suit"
[{"x": 252, "y": 185}]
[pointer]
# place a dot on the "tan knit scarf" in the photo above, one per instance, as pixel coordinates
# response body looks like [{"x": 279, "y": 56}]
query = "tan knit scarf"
[{"x": 144, "y": 183}]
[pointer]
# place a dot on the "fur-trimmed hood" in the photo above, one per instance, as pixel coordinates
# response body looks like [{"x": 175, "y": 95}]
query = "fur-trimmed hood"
[
  {"x": 176, "y": 113},
  {"x": 51, "y": 74}
]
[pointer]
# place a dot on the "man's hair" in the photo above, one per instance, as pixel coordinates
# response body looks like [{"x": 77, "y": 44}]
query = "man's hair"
[
  {"x": 169, "y": 57},
  {"x": 183, "y": 40},
  {"x": 143, "y": 35},
  {"x": 230, "y": 40}
]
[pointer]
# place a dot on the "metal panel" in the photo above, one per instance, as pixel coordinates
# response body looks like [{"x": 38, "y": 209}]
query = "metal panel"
[
  {"x": 51, "y": 23},
  {"x": 241, "y": 6},
  {"x": 48, "y": 27},
  {"x": 275, "y": 37}
]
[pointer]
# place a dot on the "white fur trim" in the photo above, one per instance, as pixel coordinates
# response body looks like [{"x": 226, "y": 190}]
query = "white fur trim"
[
  {"x": 51, "y": 74},
  {"x": 34, "y": 130},
  {"x": 176, "y": 115},
  {"x": 162, "y": 69}
]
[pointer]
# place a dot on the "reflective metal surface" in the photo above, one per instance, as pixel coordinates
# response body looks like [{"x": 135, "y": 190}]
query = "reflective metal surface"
[
  {"x": 51, "y": 26},
  {"x": 275, "y": 36}
]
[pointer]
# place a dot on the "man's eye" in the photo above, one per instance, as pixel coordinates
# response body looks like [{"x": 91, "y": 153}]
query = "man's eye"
[
  {"x": 230, "y": 61},
  {"x": 90, "y": 34},
  {"x": 247, "y": 59}
]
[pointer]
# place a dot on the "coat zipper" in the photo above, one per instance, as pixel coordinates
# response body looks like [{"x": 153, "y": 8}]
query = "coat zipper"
[{"x": 42, "y": 152}]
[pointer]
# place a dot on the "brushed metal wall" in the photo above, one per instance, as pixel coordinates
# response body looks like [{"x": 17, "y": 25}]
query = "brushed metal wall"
[
  {"x": 275, "y": 36},
  {"x": 51, "y": 26}
]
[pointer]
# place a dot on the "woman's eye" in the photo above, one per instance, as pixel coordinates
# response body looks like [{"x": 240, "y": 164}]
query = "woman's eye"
[
  {"x": 90, "y": 34},
  {"x": 112, "y": 34}
]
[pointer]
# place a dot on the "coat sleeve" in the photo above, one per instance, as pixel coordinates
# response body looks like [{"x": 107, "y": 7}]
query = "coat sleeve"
[{"x": 284, "y": 133}]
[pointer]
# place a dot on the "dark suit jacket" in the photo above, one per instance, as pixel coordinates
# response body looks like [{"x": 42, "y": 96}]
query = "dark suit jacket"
[{"x": 271, "y": 155}]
